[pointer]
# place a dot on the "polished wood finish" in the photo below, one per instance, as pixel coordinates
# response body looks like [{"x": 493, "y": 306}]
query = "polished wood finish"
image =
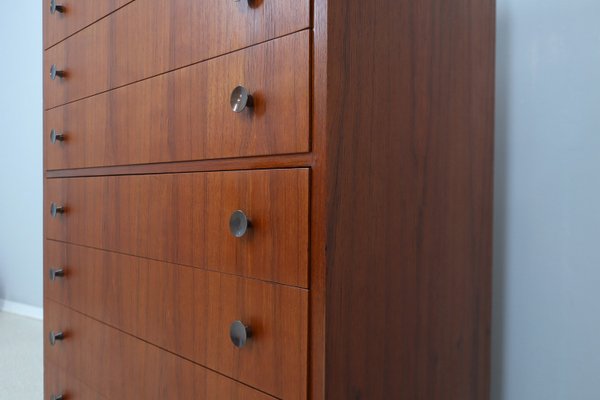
[
  {"x": 185, "y": 114},
  {"x": 119, "y": 366},
  {"x": 184, "y": 219},
  {"x": 77, "y": 15},
  {"x": 228, "y": 164},
  {"x": 369, "y": 260},
  {"x": 57, "y": 382},
  {"x": 409, "y": 127},
  {"x": 150, "y": 37},
  {"x": 188, "y": 311}
]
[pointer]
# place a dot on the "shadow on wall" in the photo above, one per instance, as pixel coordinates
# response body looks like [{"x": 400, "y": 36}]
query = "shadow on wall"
[{"x": 502, "y": 117}]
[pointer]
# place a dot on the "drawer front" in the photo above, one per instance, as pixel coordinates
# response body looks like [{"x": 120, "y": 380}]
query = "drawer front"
[
  {"x": 149, "y": 37},
  {"x": 58, "y": 383},
  {"x": 119, "y": 366},
  {"x": 186, "y": 114},
  {"x": 189, "y": 312},
  {"x": 63, "y": 18},
  {"x": 185, "y": 219}
]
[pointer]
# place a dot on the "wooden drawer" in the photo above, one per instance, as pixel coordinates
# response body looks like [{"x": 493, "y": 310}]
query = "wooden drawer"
[
  {"x": 74, "y": 16},
  {"x": 119, "y": 366},
  {"x": 184, "y": 219},
  {"x": 57, "y": 382},
  {"x": 186, "y": 114},
  {"x": 149, "y": 37},
  {"x": 189, "y": 312}
]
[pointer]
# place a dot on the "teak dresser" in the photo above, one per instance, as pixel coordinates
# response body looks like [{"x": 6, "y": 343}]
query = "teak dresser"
[{"x": 268, "y": 199}]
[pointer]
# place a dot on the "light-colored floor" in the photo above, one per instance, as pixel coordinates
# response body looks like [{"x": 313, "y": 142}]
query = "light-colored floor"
[{"x": 21, "y": 361}]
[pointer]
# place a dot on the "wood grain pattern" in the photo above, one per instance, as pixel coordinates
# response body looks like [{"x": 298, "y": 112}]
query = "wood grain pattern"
[
  {"x": 57, "y": 382},
  {"x": 227, "y": 164},
  {"x": 150, "y": 37},
  {"x": 188, "y": 311},
  {"x": 77, "y": 15},
  {"x": 186, "y": 115},
  {"x": 119, "y": 366},
  {"x": 410, "y": 164},
  {"x": 184, "y": 219}
]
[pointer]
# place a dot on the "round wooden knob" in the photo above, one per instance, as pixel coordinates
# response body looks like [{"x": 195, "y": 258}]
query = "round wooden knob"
[
  {"x": 239, "y": 223},
  {"x": 54, "y": 72},
  {"x": 240, "y": 99},
  {"x": 56, "y": 209},
  {"x": 239, "y": 334},
  {"x": 54, "y": 7},
  {"x": 56, "y": 336},
  {"x": 56, "y": 137}
]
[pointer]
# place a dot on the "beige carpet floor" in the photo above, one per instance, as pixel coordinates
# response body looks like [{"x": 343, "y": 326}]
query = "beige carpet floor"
[{"x": 21, "y": 361}]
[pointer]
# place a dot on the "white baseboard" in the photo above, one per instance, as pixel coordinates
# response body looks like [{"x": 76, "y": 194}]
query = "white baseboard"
[{"x": 21, "y": 309}]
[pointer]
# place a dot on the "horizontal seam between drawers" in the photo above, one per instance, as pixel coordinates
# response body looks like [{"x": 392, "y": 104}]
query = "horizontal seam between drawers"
[
  {"x": 280, "y": 161},
  {"x": 154, "y": 345},
  {"x": 181, "y": 265},
  {"x": 88, "y": 25},
  {"x": 178, "y": 68}
]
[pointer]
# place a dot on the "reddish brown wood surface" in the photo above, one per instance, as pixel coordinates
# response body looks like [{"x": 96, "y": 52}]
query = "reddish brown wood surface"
[
  {"x": 77, "y": 15},
  {"x": 186, "y": 114},
  {"x": 184, "y": 219},
  {"x": 120, "y": 366},
  {"x": 410, "y": 89},
  {"x": 188, "y": 311},
  {"x": 227, "y": 164},
  {"x": 57, "y": 382},
  {"x": 150, "y": 37}
]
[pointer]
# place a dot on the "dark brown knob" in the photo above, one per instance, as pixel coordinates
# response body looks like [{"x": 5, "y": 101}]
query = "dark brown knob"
[
  {"x": 239, "y": 223},
  {"x": 56, "y": 137},
  {"x": 54, "y": 72},
  {"x": 240, "y": 99},
  {"x": 56, "y": 336},
  {"x": 56, "y": 273},
  {"x": 56, "y": 7},
  {"x": 239, "y": 334},
  {"x": 57, "y": 397},
  {"x": 56, "y": 209}
]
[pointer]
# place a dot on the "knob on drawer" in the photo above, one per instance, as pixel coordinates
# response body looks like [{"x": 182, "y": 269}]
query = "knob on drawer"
[
  {"x": 56, "y": 273},
  {"x": 54, "y": 72},
  {"x": 56, "y": 7},
  {"x": 239, "y": 223},
  {"x": 57, "y": 397},
  {"x": 56, "y": 336},
  {"x": 239, "y": 334},
  {"x": 240, "y": 99},
  {"x": 56, "y": 209},
  {"x": 56, "y": 137}
]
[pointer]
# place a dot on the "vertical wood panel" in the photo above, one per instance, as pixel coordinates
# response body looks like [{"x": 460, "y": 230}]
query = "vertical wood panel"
[{"x": 410, "y": 150}]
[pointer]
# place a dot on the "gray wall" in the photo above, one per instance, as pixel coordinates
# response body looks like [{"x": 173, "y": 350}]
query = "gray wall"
[
  {"x": 21, "y": 152},
  {"x": 547, "y": 243}
]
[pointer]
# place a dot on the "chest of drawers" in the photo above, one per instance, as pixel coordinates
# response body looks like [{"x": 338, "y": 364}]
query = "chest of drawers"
[{"x": 267, "y": 199}]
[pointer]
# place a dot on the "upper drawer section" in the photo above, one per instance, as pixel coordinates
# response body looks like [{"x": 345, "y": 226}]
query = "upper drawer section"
[
  {"x": 186, "y": 114},
  {"x": 150, "y": 37},
  {"x": 192, "y": 219},
  {"x": 65, "y": 17}
]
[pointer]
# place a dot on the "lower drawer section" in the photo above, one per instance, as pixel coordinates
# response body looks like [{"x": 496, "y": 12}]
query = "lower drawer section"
[
  {"x": 190, "y": 312},
  {"x": 120, "y": 367},
  {"x": 57, "y": 383}
]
